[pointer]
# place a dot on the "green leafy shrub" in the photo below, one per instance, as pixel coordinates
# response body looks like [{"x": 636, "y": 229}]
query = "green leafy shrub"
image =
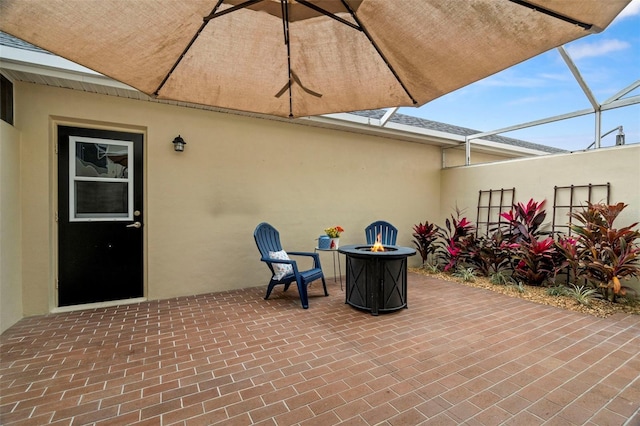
[{"x": 606, "y": 255}]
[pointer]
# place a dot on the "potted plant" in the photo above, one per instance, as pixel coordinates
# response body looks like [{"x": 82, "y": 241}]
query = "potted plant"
[{"x": 334, "y": 233}]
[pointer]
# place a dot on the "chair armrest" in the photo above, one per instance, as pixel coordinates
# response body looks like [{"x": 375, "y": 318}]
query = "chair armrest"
[
  {"x": 271, "y": 260},
  {"x": 302, "y": 253},
  {"x": 316, "y": 257},
  {"x": 291, "y": 262}
]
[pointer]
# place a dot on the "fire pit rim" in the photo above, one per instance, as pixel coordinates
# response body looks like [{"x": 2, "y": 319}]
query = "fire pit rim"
[{"x": 356, "y": 249}]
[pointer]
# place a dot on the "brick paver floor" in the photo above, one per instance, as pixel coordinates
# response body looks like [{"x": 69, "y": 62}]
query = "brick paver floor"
[{"x": 457, "y": 355}]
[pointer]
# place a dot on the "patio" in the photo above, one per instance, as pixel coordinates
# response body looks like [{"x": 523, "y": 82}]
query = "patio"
[{"x": 457, "y": 355}]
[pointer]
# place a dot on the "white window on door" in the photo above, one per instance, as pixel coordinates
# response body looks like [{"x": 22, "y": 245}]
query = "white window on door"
[{"x": 101, "y": 179}]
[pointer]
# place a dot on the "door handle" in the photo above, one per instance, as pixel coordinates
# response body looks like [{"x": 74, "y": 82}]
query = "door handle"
[{"x": 135, "y": 225}]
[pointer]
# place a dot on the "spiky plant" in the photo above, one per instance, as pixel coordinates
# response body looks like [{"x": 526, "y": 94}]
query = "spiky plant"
[
  {"x": 558, "y": 290},
  {"x": 582, "y": 294},
  {"x": 432, "y": 268},
  {"x": 465, "y": 274},
  {"x": 500, "y": 278}
]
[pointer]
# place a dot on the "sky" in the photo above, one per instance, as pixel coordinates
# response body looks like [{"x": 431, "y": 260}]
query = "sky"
[{"x": 544, "y": 86}]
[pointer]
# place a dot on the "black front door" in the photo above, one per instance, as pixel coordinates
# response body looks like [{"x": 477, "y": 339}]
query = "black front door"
[{"x": 100, "y": 226}]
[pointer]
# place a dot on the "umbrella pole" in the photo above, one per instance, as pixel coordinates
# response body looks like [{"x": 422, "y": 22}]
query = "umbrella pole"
[{"x": 285, "y": 26}]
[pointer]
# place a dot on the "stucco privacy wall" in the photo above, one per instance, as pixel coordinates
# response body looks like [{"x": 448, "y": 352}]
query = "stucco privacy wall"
[
  {"x": 536, "y": 177},
  {"x": 203, "y": 205},
  {"x": 10, "y": 246}
]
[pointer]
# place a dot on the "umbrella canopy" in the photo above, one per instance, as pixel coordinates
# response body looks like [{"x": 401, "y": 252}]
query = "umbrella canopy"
[{"x": 296, "y": 58}]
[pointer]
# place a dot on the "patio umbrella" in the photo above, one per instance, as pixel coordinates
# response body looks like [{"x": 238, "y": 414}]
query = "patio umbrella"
[{"x": 296, "y": 58}]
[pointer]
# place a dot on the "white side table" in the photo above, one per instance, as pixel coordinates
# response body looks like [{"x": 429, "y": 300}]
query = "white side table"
[{"x": 335, "y": 253}]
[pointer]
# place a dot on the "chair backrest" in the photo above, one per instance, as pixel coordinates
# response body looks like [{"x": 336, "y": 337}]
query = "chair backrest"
[
  {"x": 267, "y": 239},
  {"x": 388, "y": 233}
]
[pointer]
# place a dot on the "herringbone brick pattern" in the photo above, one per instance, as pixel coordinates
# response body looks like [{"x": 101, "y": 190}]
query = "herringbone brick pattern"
[{"x": 457, "y": 355}]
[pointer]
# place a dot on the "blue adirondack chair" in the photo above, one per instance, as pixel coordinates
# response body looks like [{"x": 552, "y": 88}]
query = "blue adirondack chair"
[
  {"x": 285, "y": 271},
  {"x": 388, "y": 233}
]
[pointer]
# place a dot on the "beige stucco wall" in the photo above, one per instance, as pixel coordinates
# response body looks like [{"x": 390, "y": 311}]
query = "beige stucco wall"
[
  {"x": 203, "y": 205},
  {"x": 536, "y": 177},
  {"x": 10, "y": 242}
]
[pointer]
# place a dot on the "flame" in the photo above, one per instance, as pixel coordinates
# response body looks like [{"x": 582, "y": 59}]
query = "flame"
[{"x": 378, "y": 245}]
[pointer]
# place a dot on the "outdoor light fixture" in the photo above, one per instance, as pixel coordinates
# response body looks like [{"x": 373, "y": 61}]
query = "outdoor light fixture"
[
  {"x": 178, "y": 144},
  {"x": 620, "y": 136}
]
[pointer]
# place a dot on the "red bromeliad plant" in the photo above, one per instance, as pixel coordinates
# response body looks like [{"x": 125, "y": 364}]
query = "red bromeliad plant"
[
  {"x": 525, "y": 220},
  {"x": 535, "y": 261},
  {"x": 491, "y": 254},
  {"x": 606, "y": 254},
  {"x": 425, "y": 235},
  {"x": 569, "y": 257},
  {"x": 599, "y": 253},
  {"x": 457, "y": 236}
]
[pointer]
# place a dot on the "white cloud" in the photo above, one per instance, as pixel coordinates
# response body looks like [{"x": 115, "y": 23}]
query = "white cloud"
[
  {"x": 632, "y": 9},
  {"x": 556, "y": 77},
  {"x": 509, "y": 78},
  {"x": 599, "y": 48},
  {"x": 528, "y": 100}
]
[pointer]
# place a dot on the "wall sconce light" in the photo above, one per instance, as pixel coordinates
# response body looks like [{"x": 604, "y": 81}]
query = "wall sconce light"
[{"x": 178, "y": 144}]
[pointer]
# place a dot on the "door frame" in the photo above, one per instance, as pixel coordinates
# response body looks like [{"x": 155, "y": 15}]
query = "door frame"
[{"x": 53, "y": 289}]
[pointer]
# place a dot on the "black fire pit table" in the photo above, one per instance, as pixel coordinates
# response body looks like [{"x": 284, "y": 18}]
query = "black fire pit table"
[{"x": 376, "y": 281}]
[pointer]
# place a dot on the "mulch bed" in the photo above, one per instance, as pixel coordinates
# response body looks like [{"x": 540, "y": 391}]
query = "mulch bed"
[{"x": 597, "y": 307}]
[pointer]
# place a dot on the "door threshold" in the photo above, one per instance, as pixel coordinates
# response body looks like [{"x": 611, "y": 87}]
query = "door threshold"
[{"x": 97, "y": 305}]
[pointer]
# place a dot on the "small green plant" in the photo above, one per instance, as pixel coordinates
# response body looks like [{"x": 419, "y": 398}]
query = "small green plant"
[
  {"x": 431, "y": 267},
  {"x": 582, "y": 294},
  {"x": 558, "y": 290},
  {"x": 500, "y": 278},
  {"x": 518, "y": 286},
  {"x": 465, "y": 274}
]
